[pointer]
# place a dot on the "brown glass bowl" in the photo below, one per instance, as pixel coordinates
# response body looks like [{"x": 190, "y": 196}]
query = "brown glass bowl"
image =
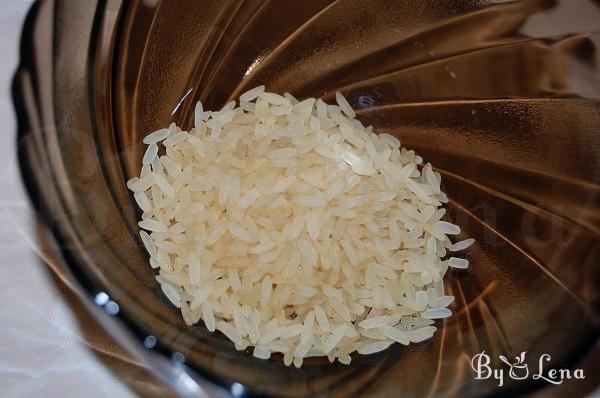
[{"x": 502, "y": 97}]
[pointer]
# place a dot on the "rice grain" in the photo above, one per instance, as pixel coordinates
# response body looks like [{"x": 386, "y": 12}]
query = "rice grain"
[{"x": 290, "y": 227}]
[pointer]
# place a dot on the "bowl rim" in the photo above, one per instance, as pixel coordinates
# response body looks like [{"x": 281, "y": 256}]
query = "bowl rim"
[{"x": 126, "y": 332}]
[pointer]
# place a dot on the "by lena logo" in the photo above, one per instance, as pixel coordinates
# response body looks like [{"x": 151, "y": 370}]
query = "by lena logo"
[{"x": 519, "y": 370}]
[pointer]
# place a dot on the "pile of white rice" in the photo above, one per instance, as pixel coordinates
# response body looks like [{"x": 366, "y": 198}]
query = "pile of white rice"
[{"x": 290, "y": 227}]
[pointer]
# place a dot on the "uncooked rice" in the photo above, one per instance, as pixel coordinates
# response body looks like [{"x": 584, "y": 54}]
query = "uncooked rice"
[{"x": 290, "y": 227}]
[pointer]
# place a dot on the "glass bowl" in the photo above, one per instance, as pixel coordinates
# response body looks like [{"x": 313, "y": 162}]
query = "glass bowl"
[{"x": 502, "y": 97}]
